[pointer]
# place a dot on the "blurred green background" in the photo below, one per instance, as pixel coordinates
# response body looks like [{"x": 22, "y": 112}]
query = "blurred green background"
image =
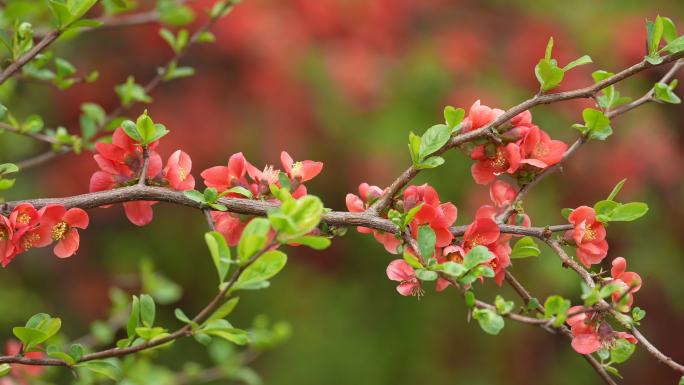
[{"x": 344, "y": 81}]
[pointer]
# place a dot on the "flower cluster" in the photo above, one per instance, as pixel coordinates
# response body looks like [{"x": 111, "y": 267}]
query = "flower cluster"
[
  {"x": 121, "y": 163},
  {"x": 588, "y": 235},
  {"x": 525, "y": 148},
  {"x": 26, "y": 228},
  {"x": 484, "y": 231},
  {"x": 239, "y": 173},
  {"x": 590, "y": 333}
]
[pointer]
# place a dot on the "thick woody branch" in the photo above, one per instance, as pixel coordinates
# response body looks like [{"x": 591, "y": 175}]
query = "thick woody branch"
[{"x": 247, "y": 207}]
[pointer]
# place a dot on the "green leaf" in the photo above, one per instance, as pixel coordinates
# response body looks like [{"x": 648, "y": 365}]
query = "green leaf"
[
  {"x": 64, "y": 68},
  {"x": 477, "y": 255},
  {"x": 489, "y": 321},
  {"x": 669, "y": 29},
  {"x": 453, "y": 117},
  {"x": 220, "y": 253},
  {"x": 675, "y": 46},
  {"x": 134, "y": 317},
  {"x": 426, "y": 241},
  {"x": 224, "y": 310},
  {"x": 181, "y": 316},
  {"x": 314, "y": 242},
  {"x": 629, "y": 212},
  {"x": 426, "y": 275},
  {"x": 431, "y": 162},
  {"x": 665, "y": 93},
  {"x": 556, "y": 306},
  {"x": 621, "y": 351},
  {"x": 78, "y": 8},
  {"x": 107, "y": 368},
  {"x": 577, "y": 62},
  {"x": 616, "y": 190},
  {"x": 147, "y": 310},
  {"x": 414, "y": 148},
  {"x": 30, "y": 337},
  {"x": 433, "y": 139},
  {"x": 453, "y": 269},
  {"x": 8, "y": 168},
  {"x": 265, "y": 267},
  {"x": 655, "y": 34},
  {"x": 236, "y": 336},
  {"x": 503, "y": 306},
  {"x": 194, "y": 195},
  {"x": 5, "y": 369},
  {"x": 596, "y": 123},
  {"x": 295, "y": 218},
  {"x": 525, "y": 247},
  {"x": 238, "y": 190},
  {"x": 638, "y": 314},
  {"x": 469, "y": 297},
  {"x": 253, "y": 238},
  {"x": 131, "y": 130}
]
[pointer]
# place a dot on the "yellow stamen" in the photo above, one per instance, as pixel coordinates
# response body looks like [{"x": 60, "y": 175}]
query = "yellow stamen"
[
  {"x": 23, "y": 219},
  {"x": 59, "y": 231}
]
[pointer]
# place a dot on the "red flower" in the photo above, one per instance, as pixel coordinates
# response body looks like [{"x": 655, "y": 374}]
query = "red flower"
[
  {"x": 177, "y": 171},
  {"x": 628, "y": 281},
  {"x": 121, "y": 164},
  {"x": 63, "y": 224},
  {"x": 23, "y": 373},
  {"x": 300, "y": 171},
  {"x": 222, "y": 178},
  {"x": 229, "y": 225},
  {"x": 356, "y": 204},
  {"x": 484, "y": 231},
  {"x": 438, "y": 216},
  {"x": 503, "y": 159},
  {"x": 400, "y": 271},
  {"x": 589, "y": 336},
  {"x": 479, "y": 116},
  {"x": 589, "y": 236},
  {"x": 540, "y": 150},
  {"x": 502, "y": 193},
  {"x": 7, "y": 248}
]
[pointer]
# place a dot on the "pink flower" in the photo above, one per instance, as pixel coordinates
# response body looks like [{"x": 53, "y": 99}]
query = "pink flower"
[
  {"x": 479, "y": 116},
  {"x": 22, "y": 373},
  {"x": 120, "y": 164},
  {"x": 356, "y": 204},
  {"x": 485, "y": 232},
  {"x": 7, "y": 249},
  {"x": 502, "y": 193},
  {"x": 438, "y": 216},
  {"x": 229, "y": 225},
  {"x": 400, "y": 271},
  {"x": 504, "y": 159},
  {"x": 300, "y": 171},
  {"x": 589, "y": 236},
  {"x": 540, "y": 150},
  {"x": 589, "y": 336},
  {"x": 62, "y": 224},
  {"x": 222, "y": 178},
  {"x": 177, "y": 171},
  {"x": 628, "y": 281}
]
